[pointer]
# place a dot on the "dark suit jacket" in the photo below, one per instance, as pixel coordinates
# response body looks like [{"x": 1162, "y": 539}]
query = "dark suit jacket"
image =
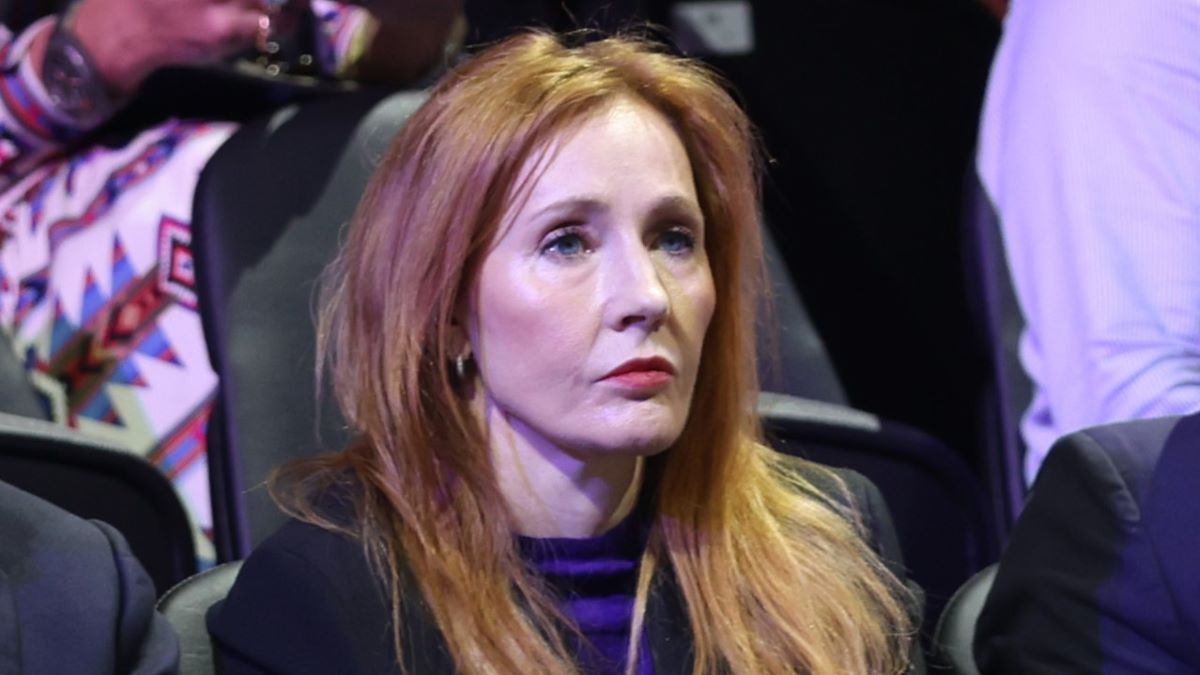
[
  {"x": 73, "y": 599},
  {"x": 306, "y": 602},
  {"x": 1102, "y": 571}
]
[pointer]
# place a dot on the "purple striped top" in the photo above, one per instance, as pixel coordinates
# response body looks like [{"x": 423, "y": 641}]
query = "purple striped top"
[{"x": 596, "y": 578}]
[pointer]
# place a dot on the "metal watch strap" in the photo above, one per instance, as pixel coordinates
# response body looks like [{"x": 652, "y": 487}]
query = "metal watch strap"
[{"x": 72, "y": 82}]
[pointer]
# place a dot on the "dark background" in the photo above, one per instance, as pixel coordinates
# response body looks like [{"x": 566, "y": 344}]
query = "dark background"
[{"x": 868, "y": 110}]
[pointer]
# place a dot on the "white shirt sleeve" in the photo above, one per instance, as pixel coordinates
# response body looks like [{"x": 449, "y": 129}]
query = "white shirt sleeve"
[{"x": 1090, "y": 151}]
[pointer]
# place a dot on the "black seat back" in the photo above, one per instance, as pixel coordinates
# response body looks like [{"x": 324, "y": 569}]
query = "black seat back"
[
  {"x": 999, "y": 324},
  {"x": 268, "y": 211},
  {"x": 937, "y": 505},
  {"x": 791, "y": 356},
  {"x": 94, "y": 479}
]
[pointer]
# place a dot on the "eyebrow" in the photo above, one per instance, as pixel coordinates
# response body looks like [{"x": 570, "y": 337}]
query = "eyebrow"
[
  {"x": 589, "y": 204},
  {"x": 667, "y": 205},
  {"x": 678, "y": 204}
]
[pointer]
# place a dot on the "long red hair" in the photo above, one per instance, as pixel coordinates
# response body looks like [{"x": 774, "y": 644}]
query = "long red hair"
[{"x": 775, "y": 580}]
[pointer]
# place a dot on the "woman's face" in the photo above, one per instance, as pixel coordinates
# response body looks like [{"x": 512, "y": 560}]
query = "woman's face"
[{"x": 589, "y": 313}]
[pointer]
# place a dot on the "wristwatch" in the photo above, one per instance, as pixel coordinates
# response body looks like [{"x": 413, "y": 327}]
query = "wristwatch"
[{"x": 72, "y": 81}]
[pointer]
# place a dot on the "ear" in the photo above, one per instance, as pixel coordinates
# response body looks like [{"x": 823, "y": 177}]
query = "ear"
[
  {"x": 461, "y": 353},
  {"x": 460, "y": 340},
  {"x": 460, "y": 332}
]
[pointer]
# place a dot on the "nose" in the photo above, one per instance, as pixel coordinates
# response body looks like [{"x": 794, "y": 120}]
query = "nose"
[{"x": 636, "y": 294}]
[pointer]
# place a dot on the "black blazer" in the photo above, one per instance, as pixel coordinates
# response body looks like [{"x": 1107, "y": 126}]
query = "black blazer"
[
  {"x": 73, "y": 599},
  {"x": 306, "y": 602},
  {"x": 1102, "y": 571}
]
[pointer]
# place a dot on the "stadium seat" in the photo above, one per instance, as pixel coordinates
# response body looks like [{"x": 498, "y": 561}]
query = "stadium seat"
[
  {"x": 954, "y": 635},
  {"x": 999, "y": 323},
  {"x": 94, "y": 479},
  {"x": 791, "y": 356},
  {"x": 186, "y": 604},
  {"x": 267, "y": 214},
  {"x": 938, "y": 507}
]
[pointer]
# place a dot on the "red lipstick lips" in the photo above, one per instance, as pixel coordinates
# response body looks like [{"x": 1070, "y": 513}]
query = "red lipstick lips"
[{"x": 642, "y": 373}]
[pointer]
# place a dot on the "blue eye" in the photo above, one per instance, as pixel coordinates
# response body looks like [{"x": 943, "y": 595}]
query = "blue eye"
[
  {"x": 677, "y": 241},
  {"x": 565, "y": 244}
]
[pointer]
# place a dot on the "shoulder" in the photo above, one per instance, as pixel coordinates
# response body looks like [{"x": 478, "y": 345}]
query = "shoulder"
[
  {"x": 77, "y": 591},
  {"x": 1091, "y": 491},
  {"x": 846, "y": 487},
  {"x": 328, "y": 554},
  {"x": 323, "y": 566},
  {"x": 48, "y": 550},
  {"x": 316, "y": 546},
  {"x": 1116, "y": 459},
  {"x": 306, "y": 600},
  {"x": 856, "y": 498},
  {"x": 845, "y": 491},
  {"x": 44, "y": 544},
  {"x": 29, "y": 524},
  {"x": 1090, "y": 545}
]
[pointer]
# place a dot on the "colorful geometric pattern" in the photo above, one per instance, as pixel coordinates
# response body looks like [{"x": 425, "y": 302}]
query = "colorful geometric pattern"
[
  {"x": 97, "y": 276},
  {"x": 176, "y": 271},
  {"x": 98, "y": 291}
]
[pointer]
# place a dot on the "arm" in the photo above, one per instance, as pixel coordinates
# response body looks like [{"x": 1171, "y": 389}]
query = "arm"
[
  {"x": 1078, "y": 589},
  {"x": 78, "y": 600},
  {"x": 1090, "y": 152},
  {"x": 146, "y": 644},
  {"x": 126, "y": 41}
]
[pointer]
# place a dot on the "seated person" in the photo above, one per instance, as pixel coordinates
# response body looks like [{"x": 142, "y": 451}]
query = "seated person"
[
  {"x": 1099, "y": 575},
  {"x": 97, "y": 286},
  {"x": 541, "y": 329},
  {"x": 73, "y": 599}
]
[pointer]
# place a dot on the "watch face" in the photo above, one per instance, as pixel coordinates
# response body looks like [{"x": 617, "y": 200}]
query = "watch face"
[{"x": 71, "y": 82}]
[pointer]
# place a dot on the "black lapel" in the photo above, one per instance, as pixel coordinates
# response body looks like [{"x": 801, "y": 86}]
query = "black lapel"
[
  {"x": 425, "y": 650},
  {"x": 667, "y": 632}
]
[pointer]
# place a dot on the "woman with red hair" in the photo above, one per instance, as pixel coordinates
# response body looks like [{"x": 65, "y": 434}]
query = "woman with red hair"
[{"x": 541, "y": 329}]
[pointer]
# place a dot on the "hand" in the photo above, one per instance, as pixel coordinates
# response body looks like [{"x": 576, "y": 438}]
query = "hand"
[
  {"x": 406, "y": 38},
  {"x": 129, "y": 39}
]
